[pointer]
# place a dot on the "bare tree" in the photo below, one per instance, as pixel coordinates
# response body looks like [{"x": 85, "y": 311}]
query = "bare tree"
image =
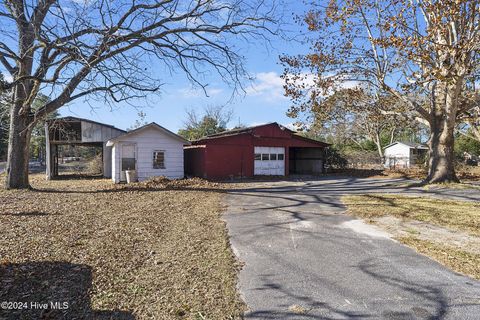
[
  {"x": 214, "y": 119},
  {"x": 140, "y": 121},
  {"x": 107, "y": 49},
  {"x": 416, "y": 50}
]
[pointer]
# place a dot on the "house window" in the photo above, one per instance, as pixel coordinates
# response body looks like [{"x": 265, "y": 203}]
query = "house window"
[
  {"x": 265, "y": 156},
  {"x": 158, "y": 159},
  {"x": 273, "y": 156},
  {"x": 280, "y": 156},
  {"x": 128, "y": 164},
  {"x": 258, "y": 156}
]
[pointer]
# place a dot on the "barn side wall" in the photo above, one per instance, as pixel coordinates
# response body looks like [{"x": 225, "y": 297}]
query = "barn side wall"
[{"x": 229, "y": 161}]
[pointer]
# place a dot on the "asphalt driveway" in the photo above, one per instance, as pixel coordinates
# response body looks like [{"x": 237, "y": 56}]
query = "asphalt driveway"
[{"x": 304, "y": 259}]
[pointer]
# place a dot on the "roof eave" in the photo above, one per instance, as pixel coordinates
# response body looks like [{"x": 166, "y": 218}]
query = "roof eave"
[{"x": 150, "y": 125}]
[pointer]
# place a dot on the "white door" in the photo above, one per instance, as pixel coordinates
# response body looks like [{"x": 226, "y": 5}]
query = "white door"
[
  {"x": 128, "y": 160},
  {"x": 269, "y": 161}
]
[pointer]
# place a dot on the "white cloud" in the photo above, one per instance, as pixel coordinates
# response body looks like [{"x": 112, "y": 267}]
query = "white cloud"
[
  {"x": 267, "y": 85},
  {"x": 310, "y": 81},
  {"x": 190, "y": 92}
]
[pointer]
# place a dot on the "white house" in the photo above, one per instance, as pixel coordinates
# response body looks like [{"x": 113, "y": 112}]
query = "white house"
[
  {"x": 403, "y": 154},
  {"x": 150, "y": 150}
]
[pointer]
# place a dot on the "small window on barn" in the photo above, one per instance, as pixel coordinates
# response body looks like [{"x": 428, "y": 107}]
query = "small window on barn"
[
  {"x": 158, "y": 159},
  {"x": 265, "y": 156},
  {"x": 258, "y": 156},
  {"x": 280, "y": 156},
  {"x": 273, "y": 156}
]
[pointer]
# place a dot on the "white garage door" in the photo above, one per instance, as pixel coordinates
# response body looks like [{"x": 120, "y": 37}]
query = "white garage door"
[{"x": 269, "y": 161}]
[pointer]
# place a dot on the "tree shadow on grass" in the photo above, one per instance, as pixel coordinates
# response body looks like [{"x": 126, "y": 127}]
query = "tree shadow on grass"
[
  {"x": 34, "y": 213},
  {"x": 49, "y": 290},
  {"x": 78, "y": 176}
]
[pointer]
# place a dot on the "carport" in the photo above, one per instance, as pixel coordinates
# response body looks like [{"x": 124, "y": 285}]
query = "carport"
[
  {"x": 306, "y": 160},
  {"x": 72, "y": 131}
]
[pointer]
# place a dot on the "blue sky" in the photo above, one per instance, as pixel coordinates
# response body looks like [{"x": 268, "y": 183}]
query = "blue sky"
[{"x": 263, "y": 101}]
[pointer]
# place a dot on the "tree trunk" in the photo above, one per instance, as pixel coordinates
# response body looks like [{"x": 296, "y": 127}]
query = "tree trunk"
[
  {"x": 18, "y": 150},
  {"x": 441, "y": 165},
  {"x": 20, "y": 112},
  {"x": 378, "y": 143},
  {"x": 392, "y": 135}
]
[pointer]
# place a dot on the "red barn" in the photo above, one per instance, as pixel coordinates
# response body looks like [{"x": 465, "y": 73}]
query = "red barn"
[{"x": 269, "y": 149}]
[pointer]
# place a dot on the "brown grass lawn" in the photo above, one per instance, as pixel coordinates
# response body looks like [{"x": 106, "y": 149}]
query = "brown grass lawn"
[
  {"x": 457, "y": 215},
  {"x": 448, "y": 215},
  {"x": 156, "y": 251}
]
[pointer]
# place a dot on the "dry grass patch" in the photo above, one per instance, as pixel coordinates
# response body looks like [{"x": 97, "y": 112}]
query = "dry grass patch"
[
  {"x": 457, "y": 215},
  {"x": 467, "y": 174},
  {"x": 458, "y": 260},
  {"x": 158, "y": 250},
  {"x": 458, "y": 221}
]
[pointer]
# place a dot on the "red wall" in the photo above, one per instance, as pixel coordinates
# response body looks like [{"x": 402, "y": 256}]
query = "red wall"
[
  {"x": 233, "y": 156},
  {"x": 226, "y": 161}
]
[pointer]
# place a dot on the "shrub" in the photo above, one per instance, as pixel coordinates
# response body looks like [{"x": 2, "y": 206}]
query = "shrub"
[{"x": 335, "y": 158}]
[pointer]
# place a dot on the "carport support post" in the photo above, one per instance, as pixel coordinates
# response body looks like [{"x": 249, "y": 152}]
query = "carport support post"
[
  {"x": 48, "y": 155},
  {"x": 55, "y": 161},
  {"x": 286, "y": 161}
]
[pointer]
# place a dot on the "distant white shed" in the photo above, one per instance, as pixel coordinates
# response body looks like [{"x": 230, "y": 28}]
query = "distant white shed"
[
  {"x": 404, "y": 154},
  {"x": 150, "y": 150}
]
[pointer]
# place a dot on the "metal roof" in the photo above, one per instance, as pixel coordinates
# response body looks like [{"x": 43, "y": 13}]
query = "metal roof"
[
  {"x": 75, "y": 119},
  {"x": 411, "y": 145},
  {"x": 239, "y": 131}
]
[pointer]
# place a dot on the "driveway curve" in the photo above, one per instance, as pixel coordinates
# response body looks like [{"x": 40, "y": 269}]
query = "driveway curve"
[{"x": 305, "y": 259}]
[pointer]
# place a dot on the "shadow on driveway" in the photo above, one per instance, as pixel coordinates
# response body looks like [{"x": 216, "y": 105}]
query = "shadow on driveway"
[{"x": 302, "y": 262}]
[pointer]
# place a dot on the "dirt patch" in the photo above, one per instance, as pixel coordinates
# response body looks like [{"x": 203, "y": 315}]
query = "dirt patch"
[
  {"x": 400, "y": 228},
  {"x": 153, "y": 250}
]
